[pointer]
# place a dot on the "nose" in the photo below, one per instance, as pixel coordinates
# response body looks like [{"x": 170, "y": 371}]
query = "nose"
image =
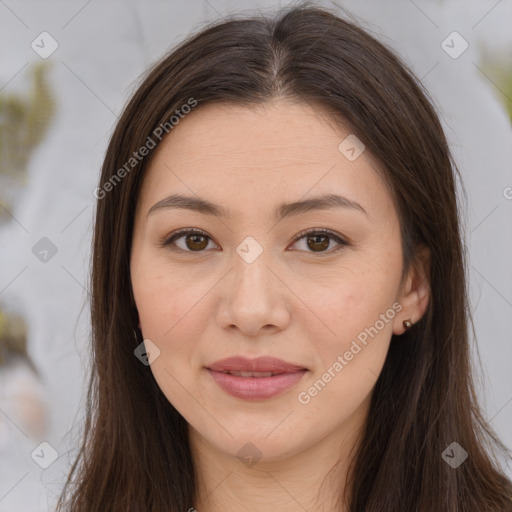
[{"x": 255, "y": 300}]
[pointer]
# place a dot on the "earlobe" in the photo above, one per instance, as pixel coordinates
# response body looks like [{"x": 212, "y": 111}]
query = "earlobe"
[{"x": 415, "y": 294}]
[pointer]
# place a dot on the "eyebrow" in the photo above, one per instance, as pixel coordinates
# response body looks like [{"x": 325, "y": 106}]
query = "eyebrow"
[{"x": 199, "y": 205}]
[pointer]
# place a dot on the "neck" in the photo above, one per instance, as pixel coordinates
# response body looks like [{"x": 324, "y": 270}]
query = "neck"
[{"x": 312, "y": 479}]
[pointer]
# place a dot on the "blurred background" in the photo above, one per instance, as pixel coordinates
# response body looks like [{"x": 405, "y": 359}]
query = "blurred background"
[{"x": 66, "y": 70}]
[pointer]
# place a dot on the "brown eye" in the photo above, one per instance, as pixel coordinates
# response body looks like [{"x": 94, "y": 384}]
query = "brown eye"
[
  {"x": 188, "y": 241},
  {"x": 196, "y": 242},
  {"x": 318, "y": 241}
]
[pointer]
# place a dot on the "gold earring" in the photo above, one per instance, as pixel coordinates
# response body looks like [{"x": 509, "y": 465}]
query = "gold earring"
[{"x": 407, "y": 324}]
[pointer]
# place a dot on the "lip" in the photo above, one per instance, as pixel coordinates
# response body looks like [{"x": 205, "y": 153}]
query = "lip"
[
  {"x": 255, "y": 388},
  {"x": 259, "y": 364}
]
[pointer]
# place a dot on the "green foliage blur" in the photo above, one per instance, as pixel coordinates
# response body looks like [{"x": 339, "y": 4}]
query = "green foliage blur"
[{"x": 24, "y": 122}]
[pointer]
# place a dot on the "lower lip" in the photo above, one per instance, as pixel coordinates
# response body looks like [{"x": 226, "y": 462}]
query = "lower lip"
[{"x": 256, "y": 388}]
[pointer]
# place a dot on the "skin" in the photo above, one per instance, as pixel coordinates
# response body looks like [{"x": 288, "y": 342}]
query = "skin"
[{"x": 293, "y": 302}]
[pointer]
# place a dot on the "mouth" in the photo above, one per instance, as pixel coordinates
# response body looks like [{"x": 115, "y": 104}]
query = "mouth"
[
  {"x": 258, "y": 365},
  {"x": 251, "y": 374},
  {"x": 255, "y": 379}
]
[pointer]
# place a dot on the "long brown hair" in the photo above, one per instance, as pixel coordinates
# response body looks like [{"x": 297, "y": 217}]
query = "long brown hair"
[{"x": 135, "y": 453}]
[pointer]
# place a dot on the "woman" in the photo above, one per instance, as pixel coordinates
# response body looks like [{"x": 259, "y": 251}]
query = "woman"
[{"x": 279, "y": 306}]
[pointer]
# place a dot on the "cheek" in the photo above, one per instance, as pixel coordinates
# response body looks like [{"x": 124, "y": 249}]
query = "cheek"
[
  {"x": 174, "y": 311},
  {"x": 358, "y": 308},
  {"x": 348, "y": 362},
  {"x": 172, "y": 315},
  {"x": 166, "y": 298},
  {"x": 350, "y": 300},
  {"x": 359, "y": 322}
]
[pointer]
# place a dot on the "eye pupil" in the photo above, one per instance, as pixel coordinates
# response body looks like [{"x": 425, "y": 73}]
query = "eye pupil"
[
  {"x": 198, "y": 242},
  {"x": 322, "y": 245}
]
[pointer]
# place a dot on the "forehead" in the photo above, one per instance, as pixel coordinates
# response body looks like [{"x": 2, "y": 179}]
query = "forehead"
[
  {"x": 248, "y": 155},
  {"x": 279, "y": 131}
]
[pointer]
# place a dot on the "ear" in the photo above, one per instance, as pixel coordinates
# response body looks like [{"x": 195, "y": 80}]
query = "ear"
[{"x": 415, "y": 291}]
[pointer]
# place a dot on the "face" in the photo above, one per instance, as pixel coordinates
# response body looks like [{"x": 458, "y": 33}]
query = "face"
[{"x": 270, "y": 268}]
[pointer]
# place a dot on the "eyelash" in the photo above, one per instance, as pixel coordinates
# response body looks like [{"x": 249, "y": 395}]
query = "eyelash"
[{"x": 311, "y": 232}]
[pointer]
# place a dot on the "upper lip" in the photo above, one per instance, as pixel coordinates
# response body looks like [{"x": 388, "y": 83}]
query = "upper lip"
[{"x": 259, "y": 364}]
